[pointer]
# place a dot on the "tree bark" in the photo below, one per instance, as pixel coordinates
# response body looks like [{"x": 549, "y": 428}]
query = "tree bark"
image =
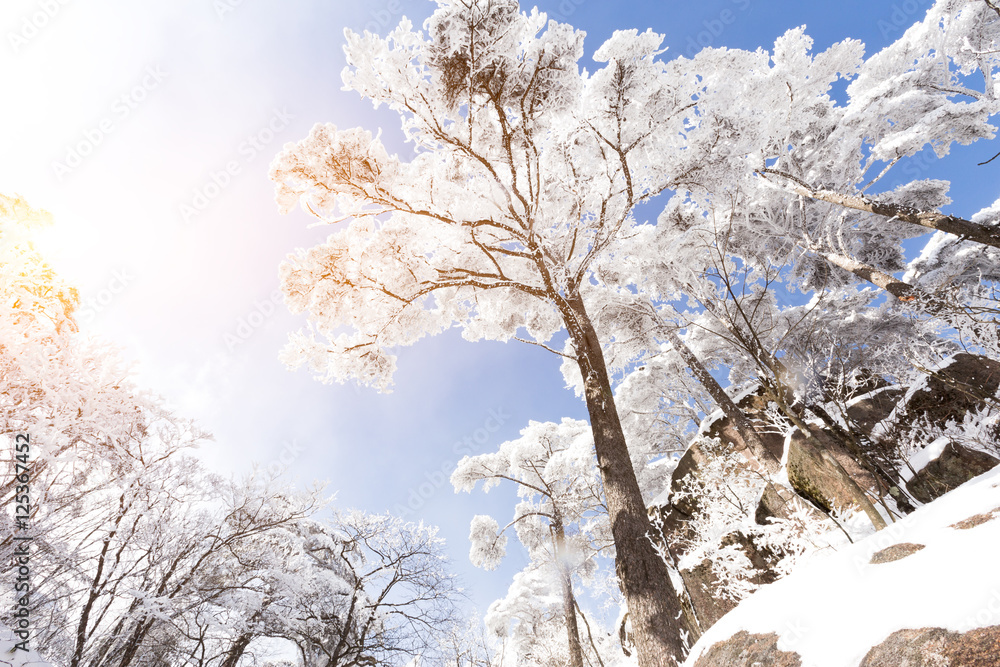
[
  {"x": 897, "y": 288},
  {"x": 644, "y": 578},
  {"x": 569, "y": 602},
  {"x": 743, "y": 425},
  {"x": 96, "y": 585},
  {"x": 952, "y": 313},
  {"x": 237, "y": 650},
  {"x": 930, "y": 304},
  {"x": 960, "y": 227}
]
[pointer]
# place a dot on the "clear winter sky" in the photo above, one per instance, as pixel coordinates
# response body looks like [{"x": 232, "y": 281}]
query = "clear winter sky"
[{"x": 163, "y": 95}]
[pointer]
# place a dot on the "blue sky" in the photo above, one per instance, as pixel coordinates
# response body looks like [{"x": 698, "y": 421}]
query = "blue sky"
[{"x": 166, "y": 221}]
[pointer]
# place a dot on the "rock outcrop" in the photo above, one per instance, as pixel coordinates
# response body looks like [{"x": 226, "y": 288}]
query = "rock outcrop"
[
  {"x": 964, "y": 385},
  {"x": 840, "y": 461},
  {"x": 937, "y": 647},
  {"x": 753, "y": 406},
  {"x": 955, "y": 466},
  {"x": 895, "y": 552},
  {"x": 746, "y": 650},
  {"x": 780, "y": 502},
  {"x": 822, "y": 471},
  {"x": 868, "y": 411}
]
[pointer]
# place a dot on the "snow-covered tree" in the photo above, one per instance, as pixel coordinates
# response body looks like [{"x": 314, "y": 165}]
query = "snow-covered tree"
[
  {"x": 792, "y": 184},
  {"x": 382, "y": 593},
  {"x": 514, "y": 216},
  {"x": 140, "y": 556},
  {"x": 522, "y": 185},
  {"x": 70, "y": 393},
  {"x": 561, "y": 520}
]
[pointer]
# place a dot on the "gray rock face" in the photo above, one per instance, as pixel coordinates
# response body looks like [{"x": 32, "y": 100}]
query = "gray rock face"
[
  {"x": 869, "y": 411},
  {"x": 816, "y": 467},
  {"x": 961, "y": 386},
  {"x": 753, "y": 406},
  {"x": 688, "y": 466},
  {"x": 955, "y": 466},
  {"x": 702, "y": 587},
  {"x": 937, "y": 647},
  {"x": 746, "y": 650},
  {"x": 780, "y": 502}
]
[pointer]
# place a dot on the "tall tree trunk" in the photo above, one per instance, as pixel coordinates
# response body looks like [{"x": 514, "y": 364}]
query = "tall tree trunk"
[
  {"x": 569, "y": 603},
  {"x": 645, "y": 580},
  {"x": 960, "y": 227},
  {"x": 133, "y": 642},
  {"x": 237, "y": 650},
  {"x": 743, "y": 425}
]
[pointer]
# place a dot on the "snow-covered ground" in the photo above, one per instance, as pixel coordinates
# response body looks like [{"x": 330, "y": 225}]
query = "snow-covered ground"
[
  {"x": 13, "y": 657},
  {"x": 835, "y": 608}
]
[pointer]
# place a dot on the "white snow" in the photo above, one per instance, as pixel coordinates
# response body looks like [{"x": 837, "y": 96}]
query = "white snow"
[
  {"x": 835, "y": 608},
  {"x": 928, "y": 256},
  {"x": 662, "y": 500},
  {"x": 871, "y": 394},
  {"x": 12, "y": 657},
  {"x": 922, "y": 457}
]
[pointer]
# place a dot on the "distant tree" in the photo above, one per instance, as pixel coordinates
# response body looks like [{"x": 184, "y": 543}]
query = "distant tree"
[
  {"x": 70, "y": 394},
  {"x": 561, "y": 520},
  {"x": 140, "y": 555},
  {"x": 390, "y": 599}
]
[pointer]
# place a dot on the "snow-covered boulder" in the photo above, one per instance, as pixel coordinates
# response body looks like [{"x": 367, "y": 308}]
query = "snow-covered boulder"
[
  {"x": 746, "y": 649},
  {"x": 954, "y": 466},
  {"x": 933, "y": 647},
  {"x": 832, "y": 611}
]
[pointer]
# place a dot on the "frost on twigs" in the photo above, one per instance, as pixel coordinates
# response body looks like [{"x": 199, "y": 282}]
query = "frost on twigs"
[
  {"x": 488, "y": 545},
  {"x": 523, "y": 177},
  {"x": 725, "y": 493},
  {"x": 331, "y": 170}
]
